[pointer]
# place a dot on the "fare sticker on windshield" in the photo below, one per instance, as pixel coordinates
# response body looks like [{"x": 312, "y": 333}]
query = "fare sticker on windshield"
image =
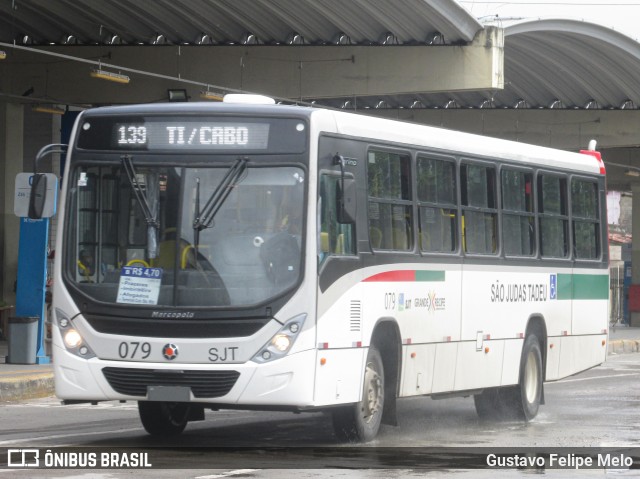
[{"x": 139, "y": 285}]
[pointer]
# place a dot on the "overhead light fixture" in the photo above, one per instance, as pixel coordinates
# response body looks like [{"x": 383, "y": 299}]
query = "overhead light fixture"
[
  {"x": 54, "y": 110},
  {"x": 210, "y": 95},
  {"x": 177, "y": 94},
  {"x": 109, "y": 76},
  {"x": 3, "y": 54}
]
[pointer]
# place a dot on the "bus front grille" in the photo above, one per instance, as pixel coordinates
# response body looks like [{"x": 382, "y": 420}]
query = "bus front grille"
[{"x": 203, "y": 384}]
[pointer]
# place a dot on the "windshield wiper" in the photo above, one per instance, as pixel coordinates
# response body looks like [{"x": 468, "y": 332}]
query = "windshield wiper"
[
  {"x": 141, "y": 196},
  {"x": 233, "y": 176}
]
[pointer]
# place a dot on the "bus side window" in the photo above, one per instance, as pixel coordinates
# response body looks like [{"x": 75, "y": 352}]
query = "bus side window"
[
  {"x": 334, "y": 238},
  {"x": 480, "y": 215},
  {"x": 585, "y": 219},
  {"x": 390, "y": 203},
  {"x": 554, "y": 217},
  {"x": 518, "y": 221},
  {"x": 437, "y": 205}
]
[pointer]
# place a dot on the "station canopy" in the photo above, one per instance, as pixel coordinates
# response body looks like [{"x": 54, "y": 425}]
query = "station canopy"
[{"x": 550, "y": 63}]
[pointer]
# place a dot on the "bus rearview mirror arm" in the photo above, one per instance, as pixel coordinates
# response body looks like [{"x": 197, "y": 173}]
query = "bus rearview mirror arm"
[
  {"x": 346, "y": 195},
  {"x": 39, "y": 191}
]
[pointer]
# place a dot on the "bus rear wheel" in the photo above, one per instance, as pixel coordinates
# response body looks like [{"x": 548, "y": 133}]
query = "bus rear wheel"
[
  {"x": 522, "y": 400},
  {"x": 163, "y": 418},
  {"x": 361, "y": 422}
]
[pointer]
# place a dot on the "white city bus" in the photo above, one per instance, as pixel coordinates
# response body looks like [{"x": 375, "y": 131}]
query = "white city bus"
[{"x": 276, "y": 257}]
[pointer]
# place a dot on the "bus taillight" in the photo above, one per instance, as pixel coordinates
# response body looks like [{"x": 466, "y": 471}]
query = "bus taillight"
[{"x": 596, "y": 154}]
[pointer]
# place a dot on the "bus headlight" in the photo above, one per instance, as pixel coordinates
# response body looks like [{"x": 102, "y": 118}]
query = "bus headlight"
[
  {"x": 73, "y": 341},
  {"x": 281, "y": 343}
]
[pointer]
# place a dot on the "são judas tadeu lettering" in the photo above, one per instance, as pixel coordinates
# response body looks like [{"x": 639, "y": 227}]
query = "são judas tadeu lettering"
[{"x": 519, "y": 292}]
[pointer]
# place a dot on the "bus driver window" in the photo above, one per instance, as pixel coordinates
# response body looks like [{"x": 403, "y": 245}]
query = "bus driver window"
[{"x": 335, "y": 238}]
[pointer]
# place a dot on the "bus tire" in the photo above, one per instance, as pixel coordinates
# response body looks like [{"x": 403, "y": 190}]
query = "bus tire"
[
  {"x": 360, "y": 422},
  {"x": 526, "y": 396},
  {"x": 489, "y": 404},
  {"x": 522, "y": 400},
  {"x": 163, "y": 418}
]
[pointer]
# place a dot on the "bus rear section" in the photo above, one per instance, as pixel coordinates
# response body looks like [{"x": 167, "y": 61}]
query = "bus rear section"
[{"x": 475, "y": 267}]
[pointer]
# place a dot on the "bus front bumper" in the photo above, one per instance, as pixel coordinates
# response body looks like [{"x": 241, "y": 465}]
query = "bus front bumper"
[{"x": 285, "y": 382}]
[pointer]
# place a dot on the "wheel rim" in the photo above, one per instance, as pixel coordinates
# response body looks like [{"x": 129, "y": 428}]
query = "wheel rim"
[
  {"x": 373, "y": 393},
  {"x": 531, "y": 376}
]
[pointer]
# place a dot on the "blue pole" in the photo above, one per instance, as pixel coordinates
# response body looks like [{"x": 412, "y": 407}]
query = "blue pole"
[{"x": 32, "y": 277}]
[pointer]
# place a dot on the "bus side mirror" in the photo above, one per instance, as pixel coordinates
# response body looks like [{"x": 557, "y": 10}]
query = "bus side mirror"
[
  {"x": 38, "y": 198},
  {"x": 347, "y": 201}
]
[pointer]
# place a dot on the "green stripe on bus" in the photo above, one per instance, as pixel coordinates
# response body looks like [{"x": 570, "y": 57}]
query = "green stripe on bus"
[
  {"x": 583, "y": 286},
  {"x": 430, "y": 275}
]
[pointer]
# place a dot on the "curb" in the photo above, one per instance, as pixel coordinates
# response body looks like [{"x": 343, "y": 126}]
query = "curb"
[
  {"x": 621, "y": 346},
  {"x": 28, "y": 386}
]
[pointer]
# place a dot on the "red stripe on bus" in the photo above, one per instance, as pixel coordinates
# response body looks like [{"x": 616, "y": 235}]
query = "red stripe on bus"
[{"x": 391, "y": 276}]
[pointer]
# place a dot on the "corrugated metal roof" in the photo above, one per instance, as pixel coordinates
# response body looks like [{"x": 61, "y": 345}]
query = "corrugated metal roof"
[
  {"x": 548, "y": 64},
  {"x": 580, "y": 64},
  {"x": 234, "y": 21}
]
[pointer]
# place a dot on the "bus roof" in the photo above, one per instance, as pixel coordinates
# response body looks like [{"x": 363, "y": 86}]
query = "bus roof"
[
  {"x": 461, "y": 144},
  {"x": 380, "y": 130}
]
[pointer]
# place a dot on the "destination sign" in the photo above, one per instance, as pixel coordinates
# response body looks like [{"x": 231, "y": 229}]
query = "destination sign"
[{"x": 191, "y": 135}]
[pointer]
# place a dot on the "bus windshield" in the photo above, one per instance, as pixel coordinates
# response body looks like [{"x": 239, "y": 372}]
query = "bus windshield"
[{"x": 137, "y": 237}]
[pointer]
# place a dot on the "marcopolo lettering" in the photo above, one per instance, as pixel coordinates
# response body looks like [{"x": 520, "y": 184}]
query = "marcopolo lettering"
[{"x": 173, "y": 314}]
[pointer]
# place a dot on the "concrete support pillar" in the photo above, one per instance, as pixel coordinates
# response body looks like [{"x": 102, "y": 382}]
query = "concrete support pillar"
[
  {"x": 304, "y": 72},
  {"x": 11, "y": 155}
]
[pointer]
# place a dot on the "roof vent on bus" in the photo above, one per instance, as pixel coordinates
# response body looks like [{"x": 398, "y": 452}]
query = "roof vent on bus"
[{"x": 248, "y": 99}]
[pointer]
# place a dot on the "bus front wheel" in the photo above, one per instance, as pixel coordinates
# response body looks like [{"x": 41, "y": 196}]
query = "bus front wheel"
[
  {"x": 360, "y": 422},
  {"x": 522, "y": 400},
  {"x": 163, "y": 418},
  {"x": 525, "y": 397}
]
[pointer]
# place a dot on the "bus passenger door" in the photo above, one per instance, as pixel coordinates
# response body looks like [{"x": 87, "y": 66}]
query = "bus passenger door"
[{"x": 340, "y": 305}]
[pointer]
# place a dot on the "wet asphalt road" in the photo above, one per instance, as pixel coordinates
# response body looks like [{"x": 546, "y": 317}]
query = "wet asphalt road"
[{"x": 598, "y": 408}]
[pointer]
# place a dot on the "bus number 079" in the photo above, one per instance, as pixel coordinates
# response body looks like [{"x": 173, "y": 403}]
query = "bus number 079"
[
  {"x": 390, "y": 301},
  {"x": 130, "y": 350}
]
